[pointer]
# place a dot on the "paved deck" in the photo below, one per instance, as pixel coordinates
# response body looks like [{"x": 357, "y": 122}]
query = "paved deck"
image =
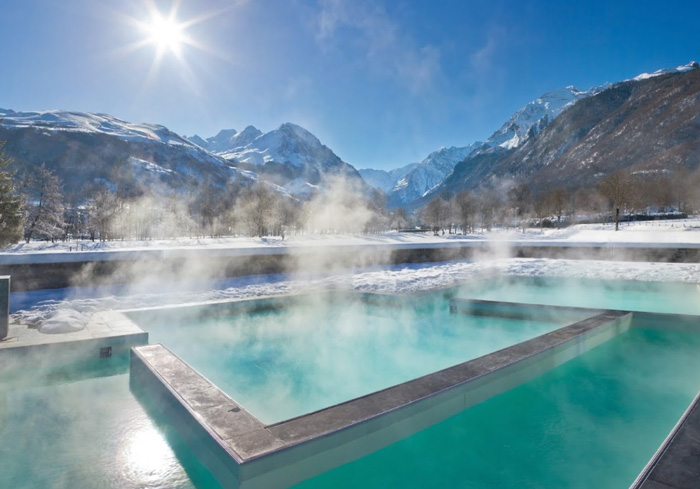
[{"x": 108, "y": 330}]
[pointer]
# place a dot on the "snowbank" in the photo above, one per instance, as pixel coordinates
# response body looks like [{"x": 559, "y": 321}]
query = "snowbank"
[
  {"x": 74, "y": 305},
  {"x": 63, "y": 321},
  {"x": 672, "y": 233}
]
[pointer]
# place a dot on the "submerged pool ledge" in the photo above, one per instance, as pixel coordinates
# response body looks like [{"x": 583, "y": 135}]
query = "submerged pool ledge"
[{"x": 243, "y": 452}]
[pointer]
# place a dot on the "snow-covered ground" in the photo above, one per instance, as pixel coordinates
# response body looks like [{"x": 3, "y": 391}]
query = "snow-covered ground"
[
  {"x": 673, "y": 233},
  {"x": 38, "y": 306}
]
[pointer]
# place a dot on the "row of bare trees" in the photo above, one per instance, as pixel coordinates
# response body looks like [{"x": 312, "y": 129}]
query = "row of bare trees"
[
  {"x": 620, "y": 194},
  {"x": 114, "y": 212}
]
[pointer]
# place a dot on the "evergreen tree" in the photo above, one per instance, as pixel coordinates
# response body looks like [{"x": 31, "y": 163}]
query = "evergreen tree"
[{"x": 11, "y": 216}]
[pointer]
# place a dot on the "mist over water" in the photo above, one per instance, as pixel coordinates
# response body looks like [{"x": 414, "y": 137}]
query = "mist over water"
[
  {"x": 322, "y": 350},
  {"x": 673, "y": 298}
]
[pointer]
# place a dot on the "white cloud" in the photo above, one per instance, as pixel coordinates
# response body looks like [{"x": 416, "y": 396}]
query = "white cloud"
[
  {"x": 482, "y": 60},
  {"x": 487, "y": 69}
]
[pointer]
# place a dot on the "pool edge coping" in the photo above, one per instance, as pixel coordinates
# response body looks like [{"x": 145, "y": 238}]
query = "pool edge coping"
[{"x": 667, "y": 453}]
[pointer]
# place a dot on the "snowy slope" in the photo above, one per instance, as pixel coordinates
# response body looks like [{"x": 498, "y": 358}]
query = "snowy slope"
[
  {"x": 227, "y": 140},
  {"x": 531, "y": 118},
  {"x": 289, "y": 156},
  {"x": 676, "y": 233},
  {"x": 83, "y": 148},
  {"x": 85, "y": 122},
  {"x": 665, "y": 71},
  {"x": 428, "y": 174},
  {"x": 289, "y": 144},
  {"x": 385, "y": 180}
]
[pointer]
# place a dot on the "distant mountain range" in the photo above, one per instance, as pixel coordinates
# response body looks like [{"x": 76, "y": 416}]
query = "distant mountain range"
[
  {"x": 406, "y": 187},
  {"x": 84, "y": 148},
  {"x": 565, "y": 137}
]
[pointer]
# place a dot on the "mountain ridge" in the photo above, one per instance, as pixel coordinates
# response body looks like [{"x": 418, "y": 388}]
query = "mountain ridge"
[
  {"x": 289, "y": 157},
  {"x": 646, "y": 124}
]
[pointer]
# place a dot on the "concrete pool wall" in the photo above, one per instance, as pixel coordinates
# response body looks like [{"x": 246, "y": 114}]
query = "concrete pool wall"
[{"x": 57, "y": 270}]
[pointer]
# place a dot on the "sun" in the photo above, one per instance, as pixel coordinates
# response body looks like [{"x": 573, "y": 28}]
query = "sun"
[
  {"x": 166, "y": 33},
  {"x": 169, "y": 34}
]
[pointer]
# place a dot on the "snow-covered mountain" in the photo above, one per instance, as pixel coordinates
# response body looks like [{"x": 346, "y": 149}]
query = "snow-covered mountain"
[
  {"x": 665, "y": 71},
  {"x": 436, "y": 167},
  {"x": 227, "y": 139},
  {"x": 421, "y": 178},
  {"x": 410, "y": 182},
  {"x": 289, "y": 156},
  {"x": 289, "y": 144},
  {"x": 428, "y": 174},
  {"x": 385, "y": 180},
  {"x": 647, "y": 124},
  {"x": 535, "y": 115},
  {"x": 85, "y": 148},
  {"x": 88, "y": 123}
]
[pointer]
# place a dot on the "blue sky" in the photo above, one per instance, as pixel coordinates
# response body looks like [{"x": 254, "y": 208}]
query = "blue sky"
[{"x": 382, "y": 83}]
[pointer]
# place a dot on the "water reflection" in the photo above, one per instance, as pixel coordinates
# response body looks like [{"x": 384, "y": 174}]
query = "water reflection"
[{"x": 65, "y": 429}]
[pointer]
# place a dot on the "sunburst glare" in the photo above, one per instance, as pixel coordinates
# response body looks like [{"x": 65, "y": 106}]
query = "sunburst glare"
[
  {"x": 169, "y": 35},
  {"x": 166, "y": 33}
]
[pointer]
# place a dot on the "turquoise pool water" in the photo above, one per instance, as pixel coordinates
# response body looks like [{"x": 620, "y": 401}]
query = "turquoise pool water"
[
  {"x": 79, "y": 427},
  {"x": 592, "y": 422},
  {"x": 674, "y": 298},
  {"x": 316, "y": 353}
]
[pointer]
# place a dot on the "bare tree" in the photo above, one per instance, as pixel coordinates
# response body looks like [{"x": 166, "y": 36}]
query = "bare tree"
[
  {"x": 557, "y": 201},
  {"x": 519, "y": 199},
  {"x": 435, "y": 214},
  {"x": 682, "y": 187},
  {"x": 694, "y": 192},
  {"x": 399, "y": 218},
  {"x": 617, "y": 189},
  {"x": 489, "y": 205},
  {"x": 541, "y": 206},
  {"x": 379, "y": 219},
  {"x": 466, "y": 206},
  {"x": 45, "y": 219},
  {"x": 255, "y": 208},
  {"x": 102, "y": 208}
]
